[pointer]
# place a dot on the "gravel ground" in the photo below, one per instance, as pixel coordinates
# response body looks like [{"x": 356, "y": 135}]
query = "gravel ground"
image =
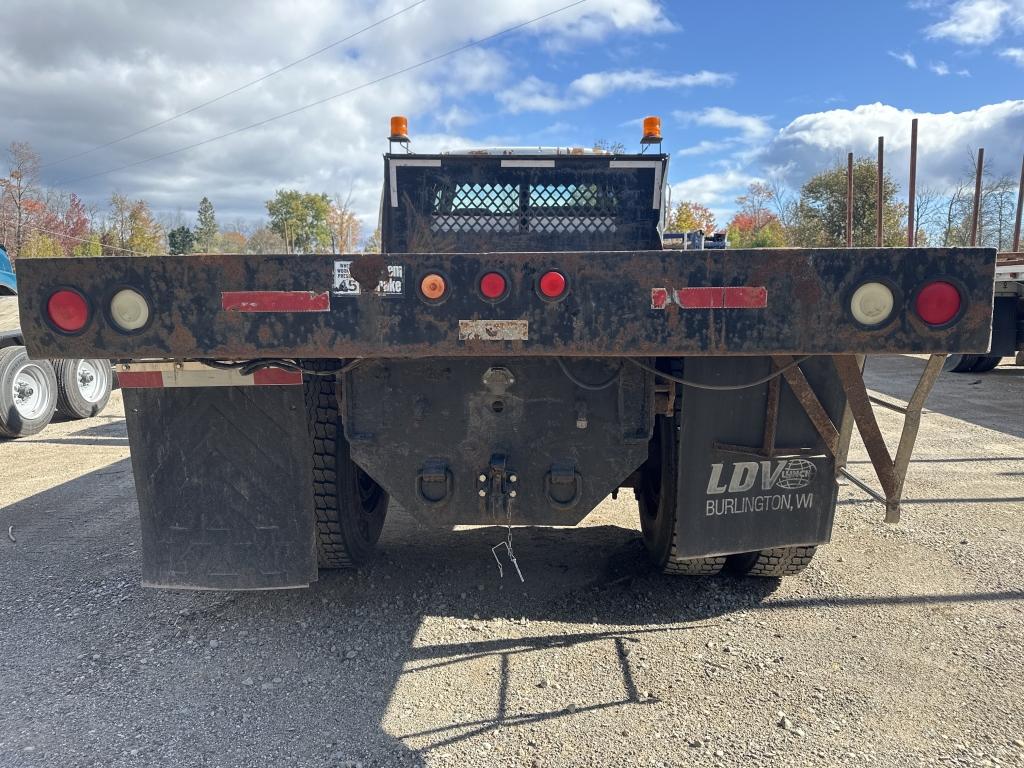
[{"x": 900, "y": 645}]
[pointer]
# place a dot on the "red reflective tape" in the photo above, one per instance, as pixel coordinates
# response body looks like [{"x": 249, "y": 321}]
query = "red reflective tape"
[
  {"x": 699, "y": 298},
  {"x": 659, "y": 298},
  {"x": 268, "y": 376},
  {"x": 746, "y": 297},
  {"x": 140, "y": 379},
  {"x": 275, "y": 301}
]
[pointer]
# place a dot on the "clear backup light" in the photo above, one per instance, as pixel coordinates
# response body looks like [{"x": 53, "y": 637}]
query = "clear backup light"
[
  {"x": 872, "y": 303},
  {"x": 129, "y": 310}
]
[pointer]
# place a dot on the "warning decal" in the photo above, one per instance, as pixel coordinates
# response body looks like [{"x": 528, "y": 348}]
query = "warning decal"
[{"x": 346, "y": 285}]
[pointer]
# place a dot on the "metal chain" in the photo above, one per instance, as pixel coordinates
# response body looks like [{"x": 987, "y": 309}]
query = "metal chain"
[{"x": 507, "y": 544}]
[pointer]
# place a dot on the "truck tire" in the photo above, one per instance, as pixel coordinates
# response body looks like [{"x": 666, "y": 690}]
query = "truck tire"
[
  {"x": 960, "y": 363},
  {"x": 349, "y": 506},
  {"x": 28, "y": 393},
  {"x": 658, "y": 503},
  {"x": 986, "y": 363},
  {"x": 83, "y": 387},
  {"x": 772, "y": 563}
]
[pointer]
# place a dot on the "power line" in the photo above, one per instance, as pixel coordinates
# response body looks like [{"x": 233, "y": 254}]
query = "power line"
[
  {"x": 324, "y": 100},
  {"x": 232, "y": 92}
]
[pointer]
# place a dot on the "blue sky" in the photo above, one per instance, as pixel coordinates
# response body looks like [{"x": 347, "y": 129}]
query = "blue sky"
[{"x": 745, "y": 89}]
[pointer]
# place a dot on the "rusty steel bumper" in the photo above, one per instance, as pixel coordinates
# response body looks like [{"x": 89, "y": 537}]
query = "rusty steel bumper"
[{"x": 639, "y": 303}]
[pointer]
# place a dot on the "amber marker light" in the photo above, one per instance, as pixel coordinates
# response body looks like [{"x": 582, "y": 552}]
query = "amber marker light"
[{"x": 433, "y": 286}]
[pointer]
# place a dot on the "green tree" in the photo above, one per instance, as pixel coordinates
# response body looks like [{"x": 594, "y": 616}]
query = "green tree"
[
  {"x": 302, "y": 219},
  {"x": 92, "y": 246},
  {"x": 181, "y": 240},
  {"x": 37, "y": 244},
  {"x": 820, "y": 216},
  {"x": 206, "y": 227}
]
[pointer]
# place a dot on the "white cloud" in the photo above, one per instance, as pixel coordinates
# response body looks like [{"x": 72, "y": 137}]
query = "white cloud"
[
  {"x": 907, "y": 58},
  {"x": 536, "y": 95},
  {"x": 703, "y": 147},
  {"x": 978, "y": 22},
  {"x": 1016, "y": 55},
  {"x": 939, "y": 68},
  {"x": 81, "y": 74},
  {"x": 752, "y": 127},
  {"x": 815, "y": 141},
  {"x": 718, "y": 191}
]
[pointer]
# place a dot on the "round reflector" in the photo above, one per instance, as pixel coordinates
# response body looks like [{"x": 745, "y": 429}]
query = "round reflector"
[
  {"x": 552, "y": 284},
  {"x": 872, "y": 303},
  {"x": 68, "y": 310},
  {"x": 129, "y": 310},
  {"x": 493, "y": 285},
  {"x": 938, "y": 303},
  {"x": 433, "y": 286}
]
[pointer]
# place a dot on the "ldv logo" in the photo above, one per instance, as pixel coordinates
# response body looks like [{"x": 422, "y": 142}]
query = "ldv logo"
[{"x": 790, "y": 474}]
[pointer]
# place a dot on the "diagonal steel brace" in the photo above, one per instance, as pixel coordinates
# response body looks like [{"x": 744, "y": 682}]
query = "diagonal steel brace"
[{"x": 891, "y": 473}]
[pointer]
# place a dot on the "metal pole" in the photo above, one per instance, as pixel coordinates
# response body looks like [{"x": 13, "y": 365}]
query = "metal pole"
[
  {"x": 1020, "y": 207},
  {"x": 976, "y": 211},
  {"x": 913, "y": 182},
  {"x": 881, "y": 190},
  {"x": 849, "y": 200}
]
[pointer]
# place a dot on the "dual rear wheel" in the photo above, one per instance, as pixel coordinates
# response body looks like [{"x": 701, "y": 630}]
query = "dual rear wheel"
[{"x": 658, "y": 500}]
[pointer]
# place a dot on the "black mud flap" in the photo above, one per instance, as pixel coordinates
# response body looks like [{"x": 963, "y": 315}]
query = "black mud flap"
[
  {"x": 223, "y": 476},
  {"x": 735, "y": 497}
]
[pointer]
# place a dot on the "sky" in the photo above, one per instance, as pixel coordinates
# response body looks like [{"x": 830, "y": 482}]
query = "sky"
[{"x": 746, "y": 90}]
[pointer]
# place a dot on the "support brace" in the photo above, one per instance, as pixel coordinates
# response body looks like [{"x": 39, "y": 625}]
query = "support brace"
[{"x": 892, "y": 474}]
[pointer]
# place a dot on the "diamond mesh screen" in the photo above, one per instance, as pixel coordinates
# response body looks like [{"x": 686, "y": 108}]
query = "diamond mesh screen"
[{"x": 536, "y": 208}]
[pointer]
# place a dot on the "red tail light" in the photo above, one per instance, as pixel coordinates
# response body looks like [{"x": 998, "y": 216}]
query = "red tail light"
[
  {"x": 552, "y": 284},
  {"x": 493, "y": 285},
  {"x": 68, "y": 310},
  {"x": 938, "y": 302}
]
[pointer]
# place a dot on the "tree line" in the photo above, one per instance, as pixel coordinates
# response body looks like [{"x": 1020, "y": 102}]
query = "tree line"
[
  {"x": 771, "y": 215},
  {"x": 36, "y": 220}
]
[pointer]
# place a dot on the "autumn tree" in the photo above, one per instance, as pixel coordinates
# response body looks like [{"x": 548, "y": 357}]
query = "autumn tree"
[
  {"x": 39, "y": 244},
  {"x": 66, "y": 219},
  {"x": 611, "y": 147},
  {"x": 19, "y": 196},
  {"x": 130, "y": 227},
  {"x": 689, "y": 216},
  {"x": 820, "y": 214},
  {"x": 181, "y": 240},
  {"x": 755, "y": 225},
  {"x": 206, "y": 227},
  {"x": 232, "y": 241},
  {"x": 373, "y": 242},
  {"x": 345, "y": 227},
  {"x": 301, "y": 219}
]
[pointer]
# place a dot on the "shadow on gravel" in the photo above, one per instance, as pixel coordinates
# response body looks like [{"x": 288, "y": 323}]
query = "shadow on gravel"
[
  {"x": 992, "y": 400},
  {"x": 425, "y": 647}
]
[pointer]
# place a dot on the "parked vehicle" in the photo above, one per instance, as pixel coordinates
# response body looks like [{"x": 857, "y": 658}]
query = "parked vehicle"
[
  {"x": 523, "y": 346},
  {"x": 1007, "y": 320},
  {"x": 31, "y": 391}
]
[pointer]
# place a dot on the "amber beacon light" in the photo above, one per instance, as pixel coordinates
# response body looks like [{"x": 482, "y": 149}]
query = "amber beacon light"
[
  {"x": 399, "y": 128},
  {"x": 652, "y": 130}
]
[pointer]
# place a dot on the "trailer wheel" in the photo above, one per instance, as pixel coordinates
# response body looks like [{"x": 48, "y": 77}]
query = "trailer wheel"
[
  {"x": 658, "y": 502},
  {"x": 349, "y": 506},
  {"x": 986, "y": 363},
  {"x": 83, "y": 387},
  {"x": 960, "y": 363},
  {"x": 772, "y": 563},
  {"x": 28, "y": 393}
]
